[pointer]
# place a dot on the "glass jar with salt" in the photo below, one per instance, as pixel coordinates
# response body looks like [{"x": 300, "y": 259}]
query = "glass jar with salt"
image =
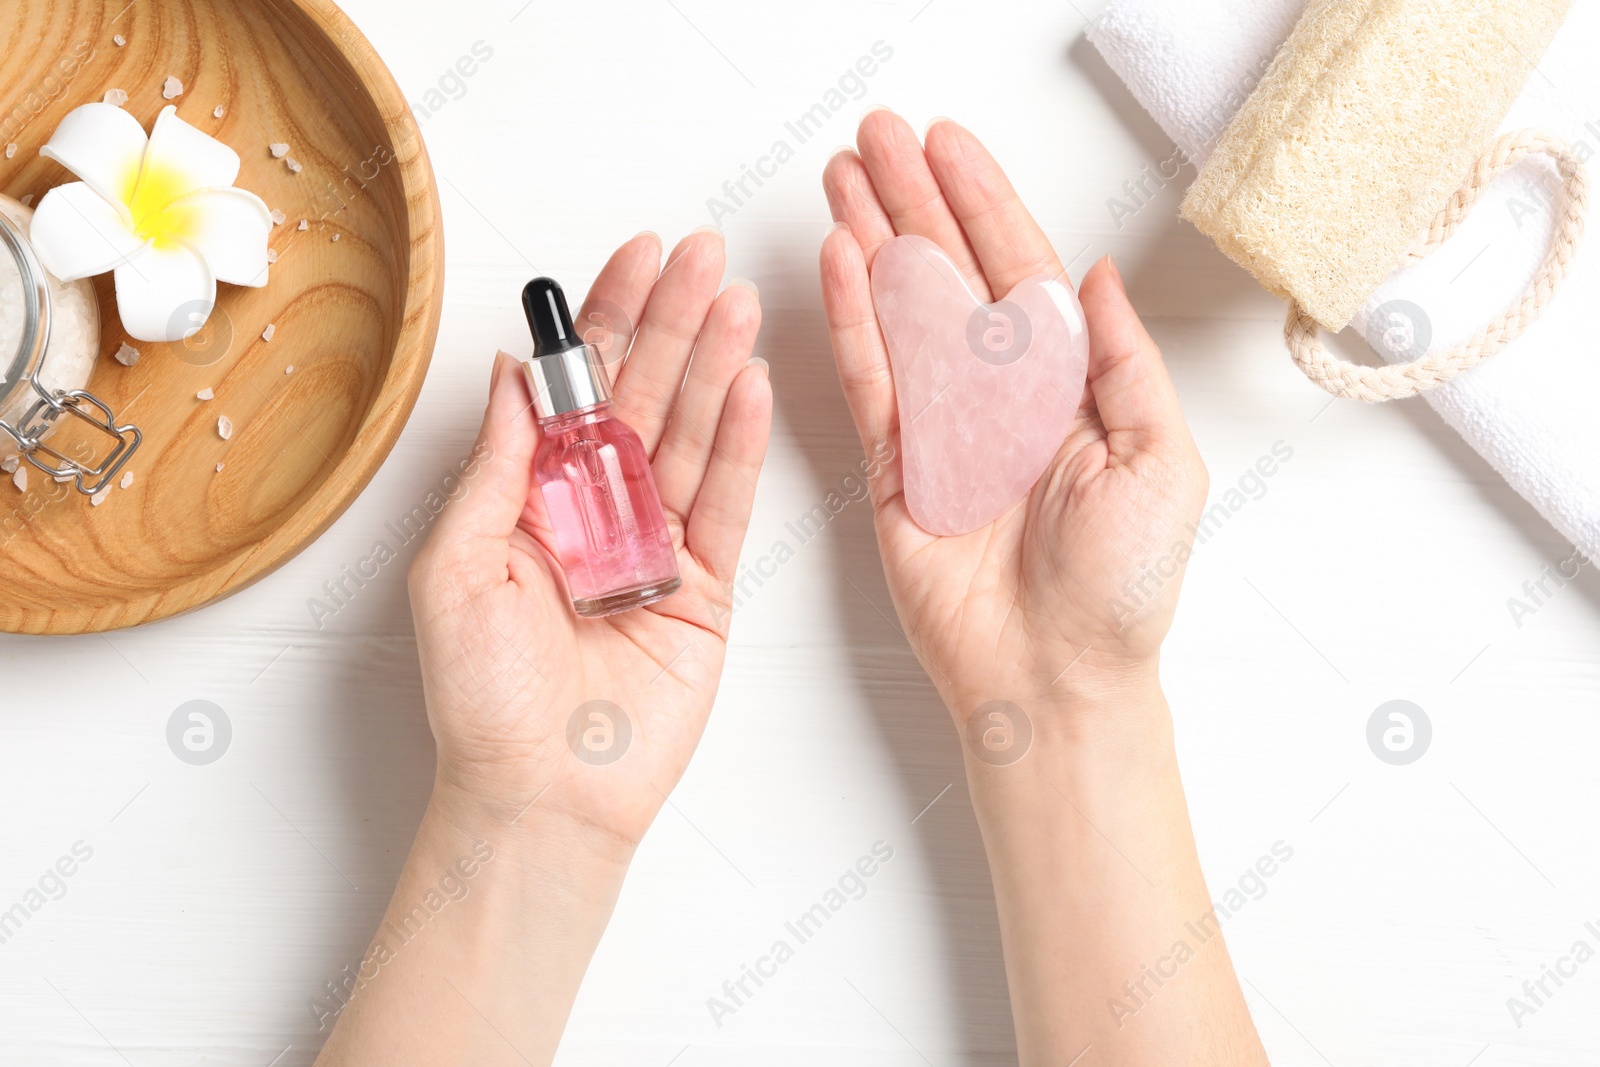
[{"x": 49, "y": 338}]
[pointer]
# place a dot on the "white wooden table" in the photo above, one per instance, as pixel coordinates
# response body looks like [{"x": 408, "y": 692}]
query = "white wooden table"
[{"x": 219, "y": 899}]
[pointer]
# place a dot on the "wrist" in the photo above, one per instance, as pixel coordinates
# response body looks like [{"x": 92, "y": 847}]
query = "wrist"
[
  {"x": 531, "y": 835},
  {"x": 1108, "y": 709},
  {"x": 1097, "y": 757},
  {"x": 1099, "y": 739}
]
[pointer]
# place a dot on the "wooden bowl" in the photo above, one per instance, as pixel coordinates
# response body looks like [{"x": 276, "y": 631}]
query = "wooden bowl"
[{"x": 354, "y": 299}]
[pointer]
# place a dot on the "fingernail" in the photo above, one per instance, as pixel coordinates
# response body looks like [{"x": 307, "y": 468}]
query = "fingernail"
[
  {"x": 502, "y": 360},
  {"x": 763, "y": 365},
  {"x": 934, "y": 122},
  {"x": 841, "y": 150},
  {"x": 653, "y": 235},
  {"x": 1115, "y": 270},
  {"x": 836, "y": 227},
  {"x": 870, "y": 110},
  {"x": 708, "y": 228},
  {"x": 746, "y": 283}
]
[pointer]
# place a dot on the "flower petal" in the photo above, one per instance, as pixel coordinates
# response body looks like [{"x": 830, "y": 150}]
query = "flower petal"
[
  {"x": 165, "y": 294},
  {"x": 103, "y": 145},
  {"x": 78, "y": 233},
  {"x": 180, "y": 160},
  {"x": 228, "y": 227}
]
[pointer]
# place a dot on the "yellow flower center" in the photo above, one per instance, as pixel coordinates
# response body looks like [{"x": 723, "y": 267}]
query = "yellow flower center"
[{"x": 156, "y": 216}]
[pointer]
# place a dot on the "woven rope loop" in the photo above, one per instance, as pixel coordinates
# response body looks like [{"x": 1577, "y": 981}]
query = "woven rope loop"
[{"x": 1352, "y": 381}]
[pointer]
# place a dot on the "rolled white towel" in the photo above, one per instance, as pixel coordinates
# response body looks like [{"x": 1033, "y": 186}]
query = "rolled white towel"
[
  {"x": 1527, "y": 410},
  {"x": 1191, "y": 64}
]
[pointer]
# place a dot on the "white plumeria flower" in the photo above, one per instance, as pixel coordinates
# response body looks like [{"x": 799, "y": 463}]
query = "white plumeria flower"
[{"x": 161, "y": 211}]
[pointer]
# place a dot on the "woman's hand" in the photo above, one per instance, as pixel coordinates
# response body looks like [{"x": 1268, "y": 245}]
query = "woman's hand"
[
  {"x": 1058, "y": 607},
  {"x": 1074, "y": 587},
  {"x": 541, "y": 793},
  {"x": 511, "y": 674}
]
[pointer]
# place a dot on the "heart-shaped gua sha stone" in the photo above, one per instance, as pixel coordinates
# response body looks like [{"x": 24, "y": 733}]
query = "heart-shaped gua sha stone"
[{"x": 986, "y": 392}]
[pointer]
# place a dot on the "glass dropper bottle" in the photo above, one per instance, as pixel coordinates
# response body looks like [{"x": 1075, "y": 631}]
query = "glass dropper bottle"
[{"x": 611, "y": 534}]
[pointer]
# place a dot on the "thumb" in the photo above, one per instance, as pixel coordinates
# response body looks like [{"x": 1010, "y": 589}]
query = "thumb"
[
  {"x": 1127, "y": 378},
  {"x": 498, "y": 476}
]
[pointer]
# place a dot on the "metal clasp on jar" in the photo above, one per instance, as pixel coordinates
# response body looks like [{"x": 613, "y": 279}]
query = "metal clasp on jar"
[{"x": 40, "y": 417}]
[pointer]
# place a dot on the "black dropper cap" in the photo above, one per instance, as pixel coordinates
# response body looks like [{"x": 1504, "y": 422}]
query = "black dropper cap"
[
  {"x": 565, "y": 373},
  {"x": 546, "y": 307}
]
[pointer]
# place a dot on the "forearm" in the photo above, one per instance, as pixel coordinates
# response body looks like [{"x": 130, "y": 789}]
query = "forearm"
[
  {"x": 1110, "y": 939},
  {"x": 480, "y": 968}
]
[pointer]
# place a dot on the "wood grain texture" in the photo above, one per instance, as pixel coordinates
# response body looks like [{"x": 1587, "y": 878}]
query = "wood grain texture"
[{"x": 354, "y": 298}]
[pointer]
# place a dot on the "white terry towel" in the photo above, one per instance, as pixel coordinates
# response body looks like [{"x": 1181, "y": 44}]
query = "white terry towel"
[{"x": 1528, "y": 409}]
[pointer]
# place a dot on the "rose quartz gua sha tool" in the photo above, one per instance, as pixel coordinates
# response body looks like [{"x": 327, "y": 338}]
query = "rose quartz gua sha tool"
[{"x": 986, "y": 392}]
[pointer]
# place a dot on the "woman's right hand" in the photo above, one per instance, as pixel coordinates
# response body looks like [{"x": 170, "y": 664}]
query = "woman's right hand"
[
  {"x": 513, "y": 677},
  {"x": 1072, "y": 589}
]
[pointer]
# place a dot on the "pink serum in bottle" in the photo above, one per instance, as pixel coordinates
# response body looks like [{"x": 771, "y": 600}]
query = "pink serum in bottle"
[{"x": 611, "y": 534}]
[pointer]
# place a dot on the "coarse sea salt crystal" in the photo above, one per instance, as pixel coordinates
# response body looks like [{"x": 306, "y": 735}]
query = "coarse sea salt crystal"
[
  {"x": 272, "y": 255},
  {"x": 277, "y": 217},
  {"x": 10, "y": 464},
  {"x": 116, "y": 97},
  {"x": 224, "y": 427},
  {"x": 99, "y": 498},
  {"x": 219, "y": 112},
  {"x": 19, "y": 478},
  {"x": 335, "y": 237},
  {"x": 220, "y": 466},
  {"x": 289, "y": 369},
  {"x": 127, "y": 355},
  {"x": 120, "y": 40},
  {"x": 11, "y": 150},
  {"x": 206, "y": 394},
  {"x": 269, "y": 332},
  {"x": 127, "y": 479},
  {"x": 305, "y": 224},
  {"x": 294, "y": 167},
  {"x": 278, "y": 150},
  {"x": 172, "y": 88}
]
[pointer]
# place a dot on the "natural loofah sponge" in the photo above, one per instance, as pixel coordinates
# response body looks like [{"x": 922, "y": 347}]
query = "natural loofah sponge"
[{"x": 1368, "y": 119}]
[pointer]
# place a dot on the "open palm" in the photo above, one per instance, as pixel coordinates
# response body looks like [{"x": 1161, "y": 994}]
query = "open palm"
[
  {"x": 596, "y": 719},
  {"x": 1079, "y": 578}
]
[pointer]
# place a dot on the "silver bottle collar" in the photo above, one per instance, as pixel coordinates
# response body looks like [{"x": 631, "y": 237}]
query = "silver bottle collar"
[{"x": 567, "y": 381}]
